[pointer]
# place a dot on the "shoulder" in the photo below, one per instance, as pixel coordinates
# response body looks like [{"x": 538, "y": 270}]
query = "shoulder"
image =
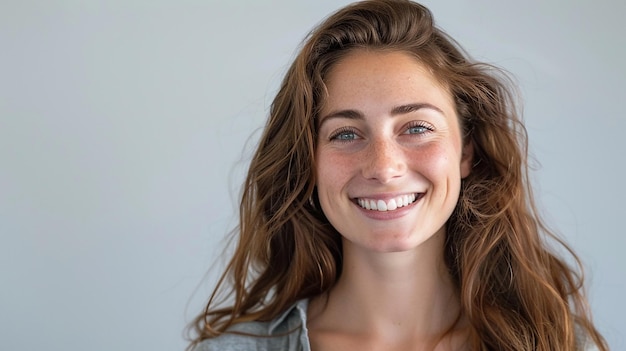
[
  {"x": 587, "y": 345},
  {"x": 242, "y": 336},
  {"x": 285, "y": 332},
  {"x": 584, "y": 341}
]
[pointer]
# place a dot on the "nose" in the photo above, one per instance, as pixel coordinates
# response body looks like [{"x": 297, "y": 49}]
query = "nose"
[{"x": 384, "y": 161}]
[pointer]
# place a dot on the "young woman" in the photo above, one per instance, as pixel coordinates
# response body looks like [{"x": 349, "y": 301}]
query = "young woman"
[{"x": 388, "y": 206}]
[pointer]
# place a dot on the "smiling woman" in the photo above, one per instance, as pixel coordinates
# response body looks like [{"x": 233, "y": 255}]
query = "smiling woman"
[
  {"x": 387, "y": 206},
  {"x": 384, "y": 136}
]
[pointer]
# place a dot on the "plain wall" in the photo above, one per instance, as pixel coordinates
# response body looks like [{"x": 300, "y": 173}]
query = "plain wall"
[{"x": 126, "y": 128}]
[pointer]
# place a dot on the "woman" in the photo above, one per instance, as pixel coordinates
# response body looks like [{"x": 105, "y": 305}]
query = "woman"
[{"x": 388, "y": 206}]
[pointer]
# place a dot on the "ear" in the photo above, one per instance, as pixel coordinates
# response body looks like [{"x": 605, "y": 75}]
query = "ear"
[{"x": 467, "y": 158}]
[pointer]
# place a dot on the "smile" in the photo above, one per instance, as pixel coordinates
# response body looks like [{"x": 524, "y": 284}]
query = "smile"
[{"x": 389, "y": 205}]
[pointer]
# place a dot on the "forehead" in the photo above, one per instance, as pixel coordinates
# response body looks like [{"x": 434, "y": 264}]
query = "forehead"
[{"x": 372, "y": 76}]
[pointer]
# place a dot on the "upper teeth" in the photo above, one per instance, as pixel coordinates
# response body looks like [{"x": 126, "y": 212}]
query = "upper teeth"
[{"x": 380, "y": 205}]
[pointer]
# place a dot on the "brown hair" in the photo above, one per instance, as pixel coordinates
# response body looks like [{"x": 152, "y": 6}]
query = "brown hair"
[{"x": 516, "y": 293}]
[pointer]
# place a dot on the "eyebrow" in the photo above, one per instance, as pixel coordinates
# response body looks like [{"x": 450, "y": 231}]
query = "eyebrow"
[{"x": 398, "y": 110}]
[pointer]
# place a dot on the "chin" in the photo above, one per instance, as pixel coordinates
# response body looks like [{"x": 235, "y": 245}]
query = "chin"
[
  {"x": 389, "y": 245},
  {"x": 385, "y": 244}
]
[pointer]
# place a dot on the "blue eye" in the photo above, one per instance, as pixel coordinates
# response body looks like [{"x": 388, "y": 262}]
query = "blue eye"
[
  {"x": 344, "y": 135},
  {"x": 419, "y": 128}
]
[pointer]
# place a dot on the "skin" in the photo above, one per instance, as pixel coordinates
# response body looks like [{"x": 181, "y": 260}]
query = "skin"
[{"x": 388, "y": 128}]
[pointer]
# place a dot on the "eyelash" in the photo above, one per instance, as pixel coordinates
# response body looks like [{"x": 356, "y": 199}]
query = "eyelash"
[
  {"x": 343, "y": 131},
  {"x": 421, "y": 124},
  {"x": 337, "y": 135}
]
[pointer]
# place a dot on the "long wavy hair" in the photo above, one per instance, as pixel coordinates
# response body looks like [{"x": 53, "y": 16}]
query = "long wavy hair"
[{"x": 516, "y": 293}]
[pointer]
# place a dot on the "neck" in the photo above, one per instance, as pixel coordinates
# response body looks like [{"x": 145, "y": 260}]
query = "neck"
[{"x": 397, "y": 295}]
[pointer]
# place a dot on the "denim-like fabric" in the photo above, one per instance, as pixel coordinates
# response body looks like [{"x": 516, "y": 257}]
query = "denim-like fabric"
[
  {"x": 288, "y": 333},
  {"x": 285, "y": 333}
]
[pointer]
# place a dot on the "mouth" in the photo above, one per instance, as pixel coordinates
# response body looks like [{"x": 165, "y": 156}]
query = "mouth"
[{"x": 388, "y": 205}]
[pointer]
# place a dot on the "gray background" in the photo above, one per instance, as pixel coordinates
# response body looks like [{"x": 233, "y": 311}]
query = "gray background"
[{"x": 126, "y": 127}]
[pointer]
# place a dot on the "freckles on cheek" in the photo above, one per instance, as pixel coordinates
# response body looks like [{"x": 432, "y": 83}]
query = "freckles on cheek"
[
  {"x": 328, "y": 169},
  {"x": 333, "y": 168},
  {"x": 434, "y": 159}
]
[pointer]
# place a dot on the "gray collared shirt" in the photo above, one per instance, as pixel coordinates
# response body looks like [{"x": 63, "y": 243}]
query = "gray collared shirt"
[{"x": 287, "y": 332}]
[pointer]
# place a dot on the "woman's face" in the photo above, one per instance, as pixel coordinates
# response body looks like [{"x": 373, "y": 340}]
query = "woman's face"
[{"x": 390, "y": 157}]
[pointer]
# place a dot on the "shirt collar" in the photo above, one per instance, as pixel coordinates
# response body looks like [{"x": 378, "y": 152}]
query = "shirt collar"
[{"x": 299, "y": 307}]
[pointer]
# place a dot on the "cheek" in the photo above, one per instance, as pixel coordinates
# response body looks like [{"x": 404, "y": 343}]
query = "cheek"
[
  {"x": 436, "y": 161},
  {"x": 434, "y": 158},
  {"x": 330, "y": 169}
]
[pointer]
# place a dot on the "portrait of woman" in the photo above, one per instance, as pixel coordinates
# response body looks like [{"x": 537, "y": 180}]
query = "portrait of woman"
[
  {"x": 312, "y": 175},
  {"x": 388, "y": 206}
]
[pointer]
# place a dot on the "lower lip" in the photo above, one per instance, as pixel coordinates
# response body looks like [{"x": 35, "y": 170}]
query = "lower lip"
[{"x": 388, "y": 215}]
